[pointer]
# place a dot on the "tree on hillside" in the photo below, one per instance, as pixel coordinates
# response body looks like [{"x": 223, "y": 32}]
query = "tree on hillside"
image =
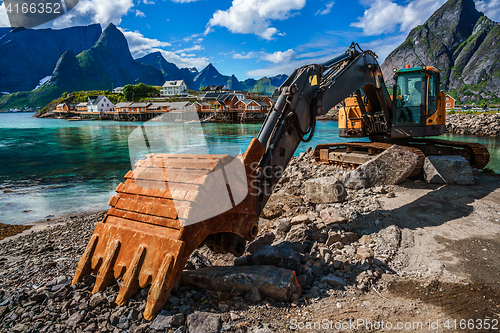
[{"x": 137, "y": 91}]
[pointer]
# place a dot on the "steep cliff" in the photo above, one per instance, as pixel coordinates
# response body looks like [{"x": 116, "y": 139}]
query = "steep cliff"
[
  {"x": 30, "y": 55},
  {"x": 110, "y": 64},
  {"x": 462, "y": 43}
]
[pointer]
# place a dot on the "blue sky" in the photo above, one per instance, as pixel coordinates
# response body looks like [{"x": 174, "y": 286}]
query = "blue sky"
[{"x": 255, "y": 38}]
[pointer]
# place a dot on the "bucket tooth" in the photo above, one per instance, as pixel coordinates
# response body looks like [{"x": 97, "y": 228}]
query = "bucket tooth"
[
  {"x": 105, "y": 276},
  {"x": 130, "y": 282},
  {"x": 145, "y": 280},
  {"x": 158, "y": 293},
  {"x": 85, "y": 264}
]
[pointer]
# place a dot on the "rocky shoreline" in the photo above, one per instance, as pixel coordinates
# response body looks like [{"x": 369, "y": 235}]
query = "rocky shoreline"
[
  {"x": 339, "y": 252},
  {"x": 474, "y": 124}
]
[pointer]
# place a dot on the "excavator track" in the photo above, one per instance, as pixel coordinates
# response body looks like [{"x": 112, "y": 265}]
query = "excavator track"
[
  {"x": 322, "y": 154},
  {"x": 353, "y": 154},
  {"x": 476, "y": 153},
  {"x": 168, "y": 206}
]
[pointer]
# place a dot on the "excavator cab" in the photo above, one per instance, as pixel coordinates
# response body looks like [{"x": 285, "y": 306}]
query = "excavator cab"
[{"x": 418, "y": 105}]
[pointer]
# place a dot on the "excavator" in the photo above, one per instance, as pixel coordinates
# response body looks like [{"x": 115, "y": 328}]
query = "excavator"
[
  {"x": 170, "y": 204},
  {"x": 416, "y": 110}
]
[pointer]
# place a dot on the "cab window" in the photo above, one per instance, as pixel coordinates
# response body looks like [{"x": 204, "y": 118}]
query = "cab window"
[
  {"x": 408, "y": 98},
  {"x": 433, "y": 95}
]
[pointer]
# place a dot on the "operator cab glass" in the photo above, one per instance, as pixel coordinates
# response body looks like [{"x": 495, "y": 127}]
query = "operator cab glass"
[
  {"x": 433, "y": 92},
  {"x": 409, "y": 97}
]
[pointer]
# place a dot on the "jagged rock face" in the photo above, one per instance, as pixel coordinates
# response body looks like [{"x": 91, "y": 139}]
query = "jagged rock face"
[
  {"x": 461, "y": 42},
  {"x": 210, "y": 76},
  {"x": 193, "y": 71},
  {"x": 67, "y": 71},
  {"x": 28, "y": 55},
  {"x": 110, "y": 62},
  {"x": 278, "y": 79},
  {"x": 170, "y": 71},
  {"x": 106, "y": 65}
]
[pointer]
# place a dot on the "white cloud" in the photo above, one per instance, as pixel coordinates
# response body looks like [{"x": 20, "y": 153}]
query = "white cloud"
[
  {"x": 93, "y": 11},
  {"x": 254, "y": 16},
  {"x": 4, "y": 19},
  {"x": 141, "y": 46},
  {"x": 383, "y": 46},
  {"x": 192, "y": 48},
  {"x": 384, "y": 16},
  {"x": 298, "y": 60},
  {"x": 188, "y": 60},
  {"x": 139, "y": 13},
  {"x": 279, "y": 57},
  {"x": 284, "y": 68},
  {"x": 249, "y": 55},
  {"x": 490, "y": 8},
  {"x": 326, "y": 10},
  {"x": 198, "y": 37}
]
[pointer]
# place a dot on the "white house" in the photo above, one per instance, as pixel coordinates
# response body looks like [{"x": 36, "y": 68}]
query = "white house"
[
  {"x": 118, "y": 90},
  {"x": 172, "y": 88},
  {"x": 100, "y": 104}
]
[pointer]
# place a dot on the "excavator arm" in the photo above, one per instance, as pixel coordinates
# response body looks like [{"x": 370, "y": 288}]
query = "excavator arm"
[
  {"x": 312, "y": 91},
  {"x": 170, "y": 204}
]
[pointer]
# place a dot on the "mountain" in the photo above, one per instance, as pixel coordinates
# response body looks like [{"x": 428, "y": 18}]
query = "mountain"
[
  {"x": 264, "y": 85},
  {"x": 105, "y": 65},
  {"x": 193, "y": 71},
  {"x": 29, "y": 55},
  {"x": 210, "y": 76},
  {"x": 169, "y": 70},
  {"x": 91, "y": 59},
  {"x": 110, "y": 64},
  {"x": 463, "y": 44}
]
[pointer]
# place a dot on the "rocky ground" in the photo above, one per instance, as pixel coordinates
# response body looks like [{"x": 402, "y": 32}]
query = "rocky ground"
[
  {"x": 474, "y": 124},
  {"x": 402, "y": 254}
]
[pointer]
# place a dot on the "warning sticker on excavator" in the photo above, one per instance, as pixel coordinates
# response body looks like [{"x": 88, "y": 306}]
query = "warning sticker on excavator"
[{"x": 313, "y": 80}]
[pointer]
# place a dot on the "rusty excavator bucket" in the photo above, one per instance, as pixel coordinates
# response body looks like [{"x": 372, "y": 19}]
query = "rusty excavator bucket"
[{"x": 168, "y": 206}]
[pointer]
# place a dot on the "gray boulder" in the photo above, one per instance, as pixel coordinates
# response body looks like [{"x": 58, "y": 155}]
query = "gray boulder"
[
  {"x": 203, "y": 322},
  {"x": 274, "y": 282},
  {"x": 281, "y": 255},
  {"x": 333, "y": 280},
  {"x": 448, "y": 170},
  {"x": 389, "y": 168},
  {"x": 325, "y": 190},
  {"x": 198, "y": 260},
  {"x": 265, "y": 239}
]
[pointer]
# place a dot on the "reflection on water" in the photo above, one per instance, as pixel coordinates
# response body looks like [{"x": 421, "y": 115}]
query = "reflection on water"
[{"x": 53, "y": 167}]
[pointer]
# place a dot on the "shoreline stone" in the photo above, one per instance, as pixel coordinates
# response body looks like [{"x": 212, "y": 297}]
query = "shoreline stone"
[{"x": 473, "y": 124}]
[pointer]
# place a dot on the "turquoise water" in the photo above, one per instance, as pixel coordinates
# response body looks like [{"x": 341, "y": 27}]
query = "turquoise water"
[{"x": 54, "y": 166}]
